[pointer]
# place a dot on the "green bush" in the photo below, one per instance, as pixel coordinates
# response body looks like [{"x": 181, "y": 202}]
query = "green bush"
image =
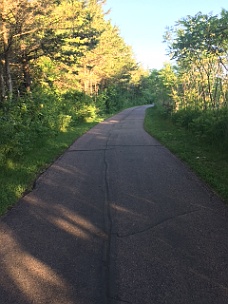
[
  {"x": 185, "y": 117},
  {"x": 211, "y": 125},
  {"x": 44, "y": 113}
]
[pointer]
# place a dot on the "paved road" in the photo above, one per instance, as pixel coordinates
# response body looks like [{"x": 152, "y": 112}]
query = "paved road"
[{"x": 117, "y": 219}]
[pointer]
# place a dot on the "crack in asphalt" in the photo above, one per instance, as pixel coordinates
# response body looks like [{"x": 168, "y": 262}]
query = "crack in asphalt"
[
  {"x": 87, "y": 150},
  {"x": 108, "y": 225},
  {"x": 138, "y": 146},
  {"x": 112, "y": 147},
  {"x": 154, "y": 226}
]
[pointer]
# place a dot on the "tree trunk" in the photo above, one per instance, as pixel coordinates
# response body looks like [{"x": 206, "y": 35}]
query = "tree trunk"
[
  {"x": 2, "y": 83},
  {"x": 8, "y": 76},
  {"x": 6, "y": 47},
  {"x": 27, "y": 76}
]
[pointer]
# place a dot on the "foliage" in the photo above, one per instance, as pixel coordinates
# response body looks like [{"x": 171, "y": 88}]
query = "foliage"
[
  {"x": 199, "y": 46},
  {"x": 194, "y": 92},
  {"x": 43, "y": 113},
  {"x": 67, "y": 44},
  {"x": 211, "y": 125},
  {"x": 61, "y": 63}
]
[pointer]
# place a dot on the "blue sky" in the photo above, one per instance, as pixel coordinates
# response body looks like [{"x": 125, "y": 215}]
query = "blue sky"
[{"x": 142, "y": 23}]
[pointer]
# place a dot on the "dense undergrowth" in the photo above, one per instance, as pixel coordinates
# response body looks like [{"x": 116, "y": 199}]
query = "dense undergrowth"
[
  {"x": 199, "y": 139},
  {"x": 210, "y": 125}
]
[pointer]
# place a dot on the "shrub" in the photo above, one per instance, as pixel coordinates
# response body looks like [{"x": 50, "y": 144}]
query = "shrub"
[
  {"x": 211, "y": 125},
  {"x": 185, "y": 117}
]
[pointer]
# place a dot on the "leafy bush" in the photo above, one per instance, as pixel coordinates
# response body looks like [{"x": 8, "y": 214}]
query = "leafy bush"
[
  {"x": 212, "y": 125},
  {"x": 44, "y": 113},
  {"x": 114, "y": 99},
  {"x": 185, "y": 117},
  {"x": 64, "y": 122}
]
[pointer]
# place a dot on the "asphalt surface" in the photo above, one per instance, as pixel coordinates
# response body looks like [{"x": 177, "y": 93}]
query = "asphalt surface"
[{"x": 116, "y": 219}]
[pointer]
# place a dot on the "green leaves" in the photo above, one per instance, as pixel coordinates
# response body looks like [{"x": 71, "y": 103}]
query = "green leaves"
[
  {"x": 199, "y": 44},
  {"x": 195, "y": 34}
]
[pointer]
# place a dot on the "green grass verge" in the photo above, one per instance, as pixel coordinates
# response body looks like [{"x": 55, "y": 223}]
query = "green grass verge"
[
  {"x": 17, "y": 175},
  {"x": 209, "y": 162}
]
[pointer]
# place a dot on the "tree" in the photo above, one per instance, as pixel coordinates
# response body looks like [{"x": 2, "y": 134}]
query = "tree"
[
  {"x": 110, "y": 62},
  {"x": 23, "y": 24},
  {"x": 78, "y": 29},
  {"x": 199, "y": 46},
  {"x": 6, "y": 43}
]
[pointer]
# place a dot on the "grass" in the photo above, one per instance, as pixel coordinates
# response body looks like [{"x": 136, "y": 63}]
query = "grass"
[
  {"x": 209, "y": 162},
  {"x": 17, "y": 175}
]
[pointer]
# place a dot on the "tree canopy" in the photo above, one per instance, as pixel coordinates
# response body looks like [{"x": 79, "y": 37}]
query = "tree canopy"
[
  {"x": 72, "y": 36},
  {"x": 199, "y": 45}
]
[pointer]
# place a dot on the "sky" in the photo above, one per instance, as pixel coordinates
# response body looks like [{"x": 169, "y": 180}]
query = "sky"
[{"x": 143, "y": 23}]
